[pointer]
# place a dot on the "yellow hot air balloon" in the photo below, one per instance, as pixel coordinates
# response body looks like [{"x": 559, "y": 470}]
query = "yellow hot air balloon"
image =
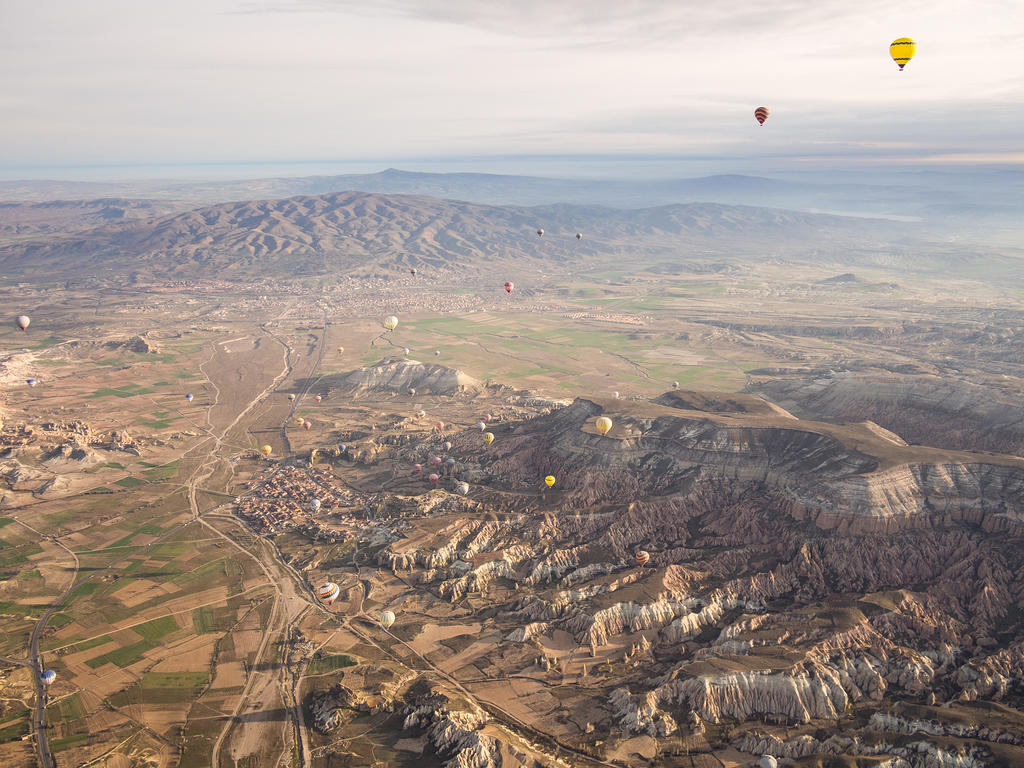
[
  {"x": 266, "y": 450},
  {"x": 391, "y": 322},
  {"x": 488, "y": 437},
  {"x": 549, "y": 480},
  {"x": 642, "y": 557},
  {"x": 604, "y": 425},
  {"x": 902, "y": 50},
  {"x": 341, "y": 350},
  {"x": 387, "y": 618}
]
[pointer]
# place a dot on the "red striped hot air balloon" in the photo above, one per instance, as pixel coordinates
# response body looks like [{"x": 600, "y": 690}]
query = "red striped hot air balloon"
[
  {"x": 642, "y": 557},
  {"x": 761, "y": 114},
  {"x": 433, "y": 479}
]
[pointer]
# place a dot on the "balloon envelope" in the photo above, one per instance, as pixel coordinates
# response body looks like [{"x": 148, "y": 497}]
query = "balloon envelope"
[
  {"x": 266, "y": 450},
  {"x": 190, "y": 397},
  {"x": 463, "y": 488},
  {"x": 604, "y": 425},
  {"x": 579, "y": 235},
  {"x": 481, "y": 425},
  {"x": 417, "y": 468},
  {"x": 328, "y": 592},
  {"x": 642, "y": 557},
  {"x": 433, "y": 479},
  {"x": 509, "y": 287},
  {"x": 341, "y": 447},
  {"x": 902, "y": 50},
  {"x": 391, "y": 322},
  {"x": 23, "y": 321},
  {"x": 436, "y": 461},
  {"x": 540, "y": 233},
  {"x": 447, "y": 445},
  {"x": 761, "y": 114},
  {"x": 48, "y": 676},
  {"x": 315, "y": 504},
  {"x": 318, "y": 398},
  {"x": 31, "y": 382},
  {"x": 488, "y": 437},
  {"x": 387, "y": 619},
  {"x": 549, "y": 480}
]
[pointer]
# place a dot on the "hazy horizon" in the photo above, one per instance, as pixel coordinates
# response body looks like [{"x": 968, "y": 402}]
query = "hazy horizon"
[{"x": 115, "y": 88}]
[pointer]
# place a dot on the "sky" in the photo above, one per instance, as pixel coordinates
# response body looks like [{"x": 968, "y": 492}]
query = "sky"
[{"x": 109, "y": 85}]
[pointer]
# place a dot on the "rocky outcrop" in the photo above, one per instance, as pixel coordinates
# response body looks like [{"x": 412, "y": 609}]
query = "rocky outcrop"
[
  {"x": 455, "y": 735},
  {"x": 396, "y": 374}
]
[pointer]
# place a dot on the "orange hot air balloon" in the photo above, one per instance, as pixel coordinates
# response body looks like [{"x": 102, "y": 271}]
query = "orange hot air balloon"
[{"x": 761, "y": 114}]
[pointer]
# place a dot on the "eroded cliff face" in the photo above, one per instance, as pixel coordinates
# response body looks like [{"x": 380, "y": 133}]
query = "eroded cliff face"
[{"x": 799, "y": 575}]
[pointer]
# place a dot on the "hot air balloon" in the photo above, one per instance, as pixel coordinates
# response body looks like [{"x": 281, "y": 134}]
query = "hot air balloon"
[
  {"x": 437, "y": 353},
  {"x": 433, "y": 479},
  {"x": 190, "y": 397},
  {"x": 315, "y": 505},
  {"x": 450, "y": 463},
  {"x": 417, "y": 468},
  {"x": 488, "y": 417},
  {"x": 767, "y": 761},
  {"x": 439, "y": 426},
  {"x": 412, "y": 391},
  {"x": 579, "y": 235},
  {"x": 463, "y": 488},
  {"x": 291, "y": 398},
  {"x": 447, "y": 445},
  {"x": 306, "y": 425},
  {"x": 761, "y": 114},
  {"x": 509, "y": 286},
  {"x": 642, "y": 557},
  {"x": 300, "y": 421},
  {"x": 391, "y": 322},
  {"x": 481, "y": 425},
  {"x": 604, "y": 425},
  {"x": 902, "y": 50},
  {"x": 675, "y": 385},
  {"x": 328, "y": 592},
  {"x": 341, "y": 447},
  {"x": 318, "y": 398},
  {"x": 413, "y": 271},
  {"x": 31, "y": 382},
  {"x": 48, "y": 677},
  {"x": 549, "y": 480},
  {"x": 615, "y": 395},
  {"x": 405, "y": 350},
  {"x": 266, "y": 450},
  {"x": 387, "y": 619},
  {"x": 436, "y": 461},
  {"x": 341, "y": 350},
  {"x": 540, "y": 233},
  {"x": 488, "y": 438},
  {"x": 23, "y": 321},
  {"x": 420, "y": 414}
]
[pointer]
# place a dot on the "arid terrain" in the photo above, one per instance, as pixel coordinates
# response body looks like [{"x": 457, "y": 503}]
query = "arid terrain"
[{"x": 817, "y": 445}]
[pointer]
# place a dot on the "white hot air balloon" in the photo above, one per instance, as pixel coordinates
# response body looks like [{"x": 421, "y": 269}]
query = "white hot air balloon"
[
  {"x": 48, "y": 677},
  {"x": 387, "y": 619},
  {"x": 328, "y": 592},
  {"x": 315, "y": 505},
  {"x": 463, "y": 488},
  {"x": 23, "y": 321}
]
